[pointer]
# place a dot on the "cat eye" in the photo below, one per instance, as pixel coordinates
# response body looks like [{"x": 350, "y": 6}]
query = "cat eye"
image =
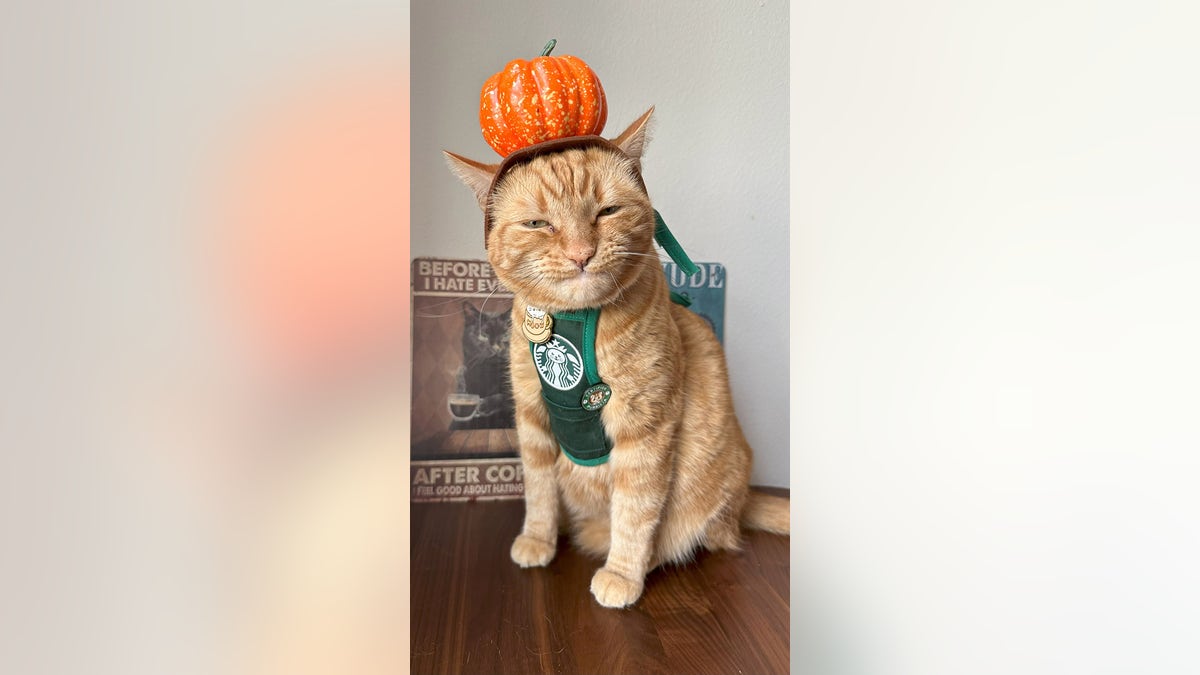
[
  {"x": 609, "y": 210},
  {"x": 536, "y": 224}
]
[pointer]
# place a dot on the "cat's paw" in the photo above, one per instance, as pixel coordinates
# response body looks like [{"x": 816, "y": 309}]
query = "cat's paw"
[
  {"x": 530, "y": 552},
  {"x": 613, "y": 590}
]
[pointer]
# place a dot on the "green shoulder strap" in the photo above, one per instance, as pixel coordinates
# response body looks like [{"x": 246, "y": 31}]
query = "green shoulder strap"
[
  {"x": 662, "y": 235},
  {"x": 590, "y": 318}
]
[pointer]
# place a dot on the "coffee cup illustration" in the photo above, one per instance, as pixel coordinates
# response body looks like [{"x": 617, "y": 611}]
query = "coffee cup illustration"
[{"x": 463, "y": 407}]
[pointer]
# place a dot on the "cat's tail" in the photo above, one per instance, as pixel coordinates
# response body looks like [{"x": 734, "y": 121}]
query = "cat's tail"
[{"x": 767, "y": 512}]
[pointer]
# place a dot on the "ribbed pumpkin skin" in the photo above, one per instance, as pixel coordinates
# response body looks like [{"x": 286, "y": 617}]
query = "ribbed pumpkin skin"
[{"x": 539, "y": 100}]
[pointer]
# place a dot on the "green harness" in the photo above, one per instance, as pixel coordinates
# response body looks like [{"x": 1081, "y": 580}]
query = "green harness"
[{"x": 565, "y": 358}]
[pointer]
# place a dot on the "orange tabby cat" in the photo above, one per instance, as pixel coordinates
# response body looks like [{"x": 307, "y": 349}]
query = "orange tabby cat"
[{"x": 571, "y": 227}]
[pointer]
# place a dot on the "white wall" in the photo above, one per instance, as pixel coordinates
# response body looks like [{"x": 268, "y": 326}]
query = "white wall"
[
  {"x": 997, "y": 293},
  {"x": 716, "y": 166}
]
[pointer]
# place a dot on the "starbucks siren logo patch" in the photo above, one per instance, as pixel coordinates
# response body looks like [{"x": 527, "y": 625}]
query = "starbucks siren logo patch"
[{"x": 558, "y": 363}]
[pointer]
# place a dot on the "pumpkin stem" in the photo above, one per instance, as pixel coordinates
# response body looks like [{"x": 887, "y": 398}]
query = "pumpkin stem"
[{"x": 549, "y": 47}]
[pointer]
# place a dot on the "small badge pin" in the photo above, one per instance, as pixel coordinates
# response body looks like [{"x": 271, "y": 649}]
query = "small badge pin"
[
  {"x": 538, "y": 325},
  {"x": 595, "y": 396}
]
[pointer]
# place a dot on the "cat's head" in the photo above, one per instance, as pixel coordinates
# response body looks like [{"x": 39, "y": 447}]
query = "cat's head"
[
  {"x": 484, "y": 334},
  {"x": 568, "y": 224}
]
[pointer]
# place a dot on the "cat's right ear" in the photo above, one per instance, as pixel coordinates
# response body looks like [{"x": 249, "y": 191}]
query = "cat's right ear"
[
  {"x": 477, "y": 175},
  {"x": 632, "y": 141}
]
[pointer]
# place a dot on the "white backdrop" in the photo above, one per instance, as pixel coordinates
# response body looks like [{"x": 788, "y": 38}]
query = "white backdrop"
[
  {"x": 997, "y": 273},
  {"x": 716, "y": 166}
]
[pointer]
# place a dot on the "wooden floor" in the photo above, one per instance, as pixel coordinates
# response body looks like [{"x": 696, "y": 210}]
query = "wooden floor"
[{"x": 474, "y": 611}]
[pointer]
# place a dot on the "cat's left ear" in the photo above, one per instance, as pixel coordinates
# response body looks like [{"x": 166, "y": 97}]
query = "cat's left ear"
[
  {"x": 632, "y": 141},
  {"x": 477, "y": 175}
]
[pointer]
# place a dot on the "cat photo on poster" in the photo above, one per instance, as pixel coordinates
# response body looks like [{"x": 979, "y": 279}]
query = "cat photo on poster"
[{"x": 462, "y": 396}]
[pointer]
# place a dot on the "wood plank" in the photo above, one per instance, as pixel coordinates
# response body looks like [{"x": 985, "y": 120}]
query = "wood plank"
[
  {"x": 454, "y": 442},
  {"x": 474, "y": 611},
  {"x": 475, "y": 441},
  {"x": 497, "y": 441}
]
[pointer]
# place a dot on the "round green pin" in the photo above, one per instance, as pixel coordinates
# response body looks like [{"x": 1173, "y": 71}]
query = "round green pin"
[{"x": 595, "y": 396}]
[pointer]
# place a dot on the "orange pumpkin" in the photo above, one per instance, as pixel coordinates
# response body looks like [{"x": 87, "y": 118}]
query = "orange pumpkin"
[{"x": 539, "y": 100}]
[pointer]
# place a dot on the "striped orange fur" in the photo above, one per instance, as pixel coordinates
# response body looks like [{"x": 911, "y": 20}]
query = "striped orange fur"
[{"x": 678, "y": 475}]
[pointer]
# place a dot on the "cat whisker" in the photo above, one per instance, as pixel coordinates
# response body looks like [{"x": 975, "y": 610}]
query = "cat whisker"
[
  {"x": 655, "y": 264},
  {"x": 483, "y": 305},
  {"x": 651, "y": 259},
  {"x": 617, "y": 284},
  {"x": 423, "y": 315},
  {"x": 436, "y": 305}
]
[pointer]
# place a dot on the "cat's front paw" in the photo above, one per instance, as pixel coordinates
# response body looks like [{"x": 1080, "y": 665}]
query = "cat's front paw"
[
  {"x": 613, "y": 590},
  {"x": 530, "y": 552}
]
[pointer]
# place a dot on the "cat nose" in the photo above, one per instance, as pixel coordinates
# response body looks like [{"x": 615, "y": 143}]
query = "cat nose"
[{"x": 581, "y": 254}]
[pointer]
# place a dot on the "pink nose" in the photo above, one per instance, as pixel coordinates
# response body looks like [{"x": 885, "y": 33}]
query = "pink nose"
[{"x": 581, "y": 254}]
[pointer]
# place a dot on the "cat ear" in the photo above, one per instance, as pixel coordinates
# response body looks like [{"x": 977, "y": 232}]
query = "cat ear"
[
  {"x": 477, "y": 175},
  {"x": 632, "y": 141},
  {"x": 470, "y": 310}
]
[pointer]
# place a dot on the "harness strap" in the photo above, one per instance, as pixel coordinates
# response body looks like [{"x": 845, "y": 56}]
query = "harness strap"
[
  {"x": 662, "y": 235},
  {"x": 590, "y": 318}
]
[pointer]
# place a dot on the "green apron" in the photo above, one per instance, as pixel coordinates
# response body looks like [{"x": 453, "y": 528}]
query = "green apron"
[{"x": 571, "y": 386}]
